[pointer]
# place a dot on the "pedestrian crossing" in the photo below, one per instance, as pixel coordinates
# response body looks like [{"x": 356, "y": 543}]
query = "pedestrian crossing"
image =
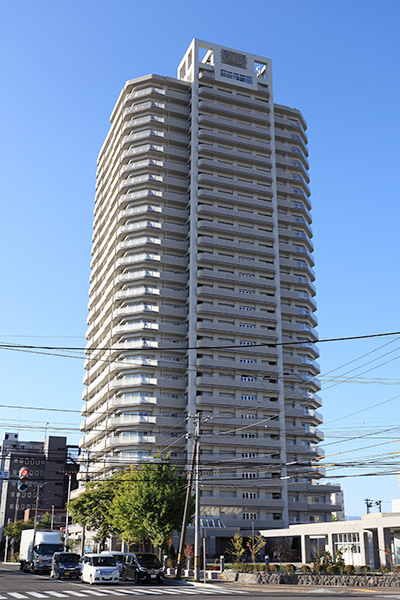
[{"x": 105, "y": 592}]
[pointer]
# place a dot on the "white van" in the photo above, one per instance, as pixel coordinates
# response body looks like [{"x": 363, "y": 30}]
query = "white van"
[{"x": 99, "y": 568}]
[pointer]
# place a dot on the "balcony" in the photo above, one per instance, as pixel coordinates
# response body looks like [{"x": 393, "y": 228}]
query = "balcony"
[
  {"x": 205, "y": 134},
  {"x": 131, "y": 327},
  {"x": 130, "y": 440},
  {"x": 235, "y": 112},
  {"x": 130, "y": 420},
  {"x": 234, "y": 125}
]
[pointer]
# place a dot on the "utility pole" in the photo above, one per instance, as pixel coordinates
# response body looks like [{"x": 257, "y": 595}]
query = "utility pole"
[
  {"x": 186, "y": 513},
  {"x": 368, "y": 503},
  {"x": 197, "y": 507},
  {"x": 36, "y": 512},
  {"x": 67, "y": 515},
  {"x": 16, "y": 508}
]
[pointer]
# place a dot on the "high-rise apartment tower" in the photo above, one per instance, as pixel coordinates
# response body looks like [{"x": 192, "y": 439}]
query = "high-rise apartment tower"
[{"x": 202, "y": 295}]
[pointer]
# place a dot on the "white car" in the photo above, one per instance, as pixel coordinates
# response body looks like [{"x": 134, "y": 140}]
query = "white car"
[{"x": 99, "y": 568}]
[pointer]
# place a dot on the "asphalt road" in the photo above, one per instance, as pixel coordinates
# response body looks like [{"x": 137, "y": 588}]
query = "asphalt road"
[{"x": 16, "y": 585}]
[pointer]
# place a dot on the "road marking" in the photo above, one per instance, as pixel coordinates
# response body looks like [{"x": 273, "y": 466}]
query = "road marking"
[
  {"x": 36, "y": 594},
  {"x": 74, "y": 593},
  {"x": 17, "y": 595},
  {"x": 57, "y": 594},
  {"x": 96, "y": 593}
]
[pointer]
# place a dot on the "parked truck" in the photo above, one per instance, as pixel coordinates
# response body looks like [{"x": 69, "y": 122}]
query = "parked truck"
[{"x": 37, "y": 549}]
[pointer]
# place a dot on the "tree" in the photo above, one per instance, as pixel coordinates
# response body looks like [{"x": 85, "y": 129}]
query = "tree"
[
  {"x": 282, "y": 551},
  {"x": 188, "y": 553},
  {"x": 149, "y": 502},
  {"x": 340, "y": 564},
  {"x": 45, "y": 521},
  {"x": 92, "y": 508},
  {"x": 14, "y": 531},
  {"x": 254, "y": 545},
  {"x": 235, "y": 547}
]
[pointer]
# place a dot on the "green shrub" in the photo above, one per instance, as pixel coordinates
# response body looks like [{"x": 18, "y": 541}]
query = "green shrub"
[
  {"x": 396, "y": 569},
  {"x": 15, "y": 557},
  {"x": 317, "y": 569},
  {"x": 331, "y": 569},
  {"x": 339, "y": 562},
  {"x": 349, "y": 570},
  {"x": 305, "y": 569},
  {"x": 384, "y": 570},
  {"x": 290, "y": 569},
  {"x": 364, "y": 569},
  {"x": 275, "y": 568},
  {"x": 327, "y": 560},
  {"x": 317, "y": 556}
]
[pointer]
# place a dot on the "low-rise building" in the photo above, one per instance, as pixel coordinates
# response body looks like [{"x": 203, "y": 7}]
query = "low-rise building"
[{"x": 373, "y": 540}]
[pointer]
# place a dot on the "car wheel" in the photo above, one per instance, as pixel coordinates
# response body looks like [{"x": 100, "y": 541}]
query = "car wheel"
[{"x": 135, "y": 578}]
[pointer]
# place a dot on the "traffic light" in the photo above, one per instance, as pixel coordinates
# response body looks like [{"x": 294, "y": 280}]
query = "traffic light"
[{"x": 23, "y": 479}]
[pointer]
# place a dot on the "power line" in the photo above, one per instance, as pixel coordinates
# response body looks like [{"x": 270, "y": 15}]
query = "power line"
[{"x": 186, "y": 347}]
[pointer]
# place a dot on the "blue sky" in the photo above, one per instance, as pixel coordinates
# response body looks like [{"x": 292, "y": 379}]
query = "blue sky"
[{"x": 62, "y": 67}]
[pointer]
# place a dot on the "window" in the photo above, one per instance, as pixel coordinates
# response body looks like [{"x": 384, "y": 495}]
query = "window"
[
  {"x": 249, "y": 475},
  {"x": 246, "y": 397},
  {"x": 236, "y": 76},
  {"x": 249, "y": 361},
  {"x": 246, "y": 291},
  {"x": 249, "y": 436},
  {"x": 247, "y": 378},
  {"x": 249, "y": 516},
  {"x": 251, "y": 495},
  {"x": 246, "y": 308},
  {"x": 248, "y": 325},
  {"x": 244, "y": 343}
]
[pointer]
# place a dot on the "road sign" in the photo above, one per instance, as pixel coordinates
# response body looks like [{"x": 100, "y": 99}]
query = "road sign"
[{"x": 4, "y": 474}]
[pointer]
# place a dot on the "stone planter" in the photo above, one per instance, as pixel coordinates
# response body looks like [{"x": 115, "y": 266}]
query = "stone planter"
[{"x": 385, "y": 581}]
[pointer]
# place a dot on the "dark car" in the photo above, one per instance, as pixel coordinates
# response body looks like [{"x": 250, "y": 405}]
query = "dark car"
[
  {"x": 65, "y": 564},
  {"x": 143, "y": 566}
]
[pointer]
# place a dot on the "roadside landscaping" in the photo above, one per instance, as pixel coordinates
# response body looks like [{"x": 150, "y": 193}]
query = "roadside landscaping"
[{"x": 291, "y": 575}]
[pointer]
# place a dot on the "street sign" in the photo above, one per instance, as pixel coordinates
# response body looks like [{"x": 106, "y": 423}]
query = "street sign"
[{"x": 4, "y": 474}]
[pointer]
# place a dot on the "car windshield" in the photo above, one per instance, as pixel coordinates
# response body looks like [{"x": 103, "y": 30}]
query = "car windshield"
[
  {"x": 68, "y": 558},
  {"x": 103, "y": 561},
  {"x": 148, "y": 560},
  {"x": 48, "y": 548}
]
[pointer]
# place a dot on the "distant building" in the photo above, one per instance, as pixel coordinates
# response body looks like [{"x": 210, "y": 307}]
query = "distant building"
[
  {"x": 337, "y": 499},
  {"x": 48, "y": 463}
]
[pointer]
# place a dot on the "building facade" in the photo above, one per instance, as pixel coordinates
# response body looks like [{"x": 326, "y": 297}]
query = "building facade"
[
  {"x": 373, "y": 540},
  {"x": 48, "y": 463},
  {"x": 202, "y": 294}
]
